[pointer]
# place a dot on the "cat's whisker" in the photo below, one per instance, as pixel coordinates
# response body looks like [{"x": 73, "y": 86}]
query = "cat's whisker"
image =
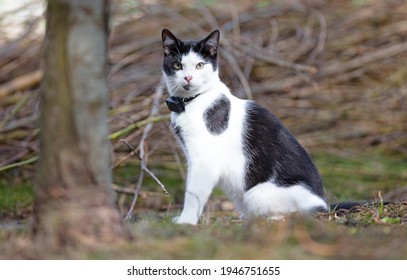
[{"x": 173, "y": 86}]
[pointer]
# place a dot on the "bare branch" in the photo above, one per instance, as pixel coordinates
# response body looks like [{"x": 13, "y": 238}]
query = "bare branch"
[{"x": 142, "y": 149}]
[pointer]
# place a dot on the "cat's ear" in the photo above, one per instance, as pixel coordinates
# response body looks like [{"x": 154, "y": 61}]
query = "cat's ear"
[
  {"x": 168, "y": 39},
  {"x": 212, "y": 42}
]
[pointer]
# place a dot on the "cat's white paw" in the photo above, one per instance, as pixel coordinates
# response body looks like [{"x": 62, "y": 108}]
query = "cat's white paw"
[
  {"x": 175, "y": 220},
  {"x": 275, "y": 218},
  {"x": 179, "y": 220}
]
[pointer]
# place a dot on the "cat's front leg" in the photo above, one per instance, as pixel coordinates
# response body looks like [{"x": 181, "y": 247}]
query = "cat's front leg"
[{"x": 199, "y": 187}]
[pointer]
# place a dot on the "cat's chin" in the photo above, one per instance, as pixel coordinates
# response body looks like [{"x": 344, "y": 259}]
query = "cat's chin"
[
  {"x": 182, "y": 92},
  {"x": 190, "y": 89}
]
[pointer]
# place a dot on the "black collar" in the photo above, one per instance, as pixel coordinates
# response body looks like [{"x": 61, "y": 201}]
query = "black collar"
[{"x": 177, "y": 104}]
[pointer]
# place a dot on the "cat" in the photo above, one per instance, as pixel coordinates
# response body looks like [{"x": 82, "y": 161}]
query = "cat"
[{"x": 231, "y": 142}]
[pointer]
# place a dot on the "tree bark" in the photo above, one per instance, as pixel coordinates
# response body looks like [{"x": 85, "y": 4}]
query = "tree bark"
[{"x": 74, "y": 199}]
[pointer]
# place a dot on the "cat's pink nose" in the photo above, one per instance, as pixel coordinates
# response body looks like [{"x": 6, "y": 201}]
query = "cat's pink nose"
[{"x": 188, "y": 78}]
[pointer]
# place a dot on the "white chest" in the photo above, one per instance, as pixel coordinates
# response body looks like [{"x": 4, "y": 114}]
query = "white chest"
[{"x": 212, "y": 139}]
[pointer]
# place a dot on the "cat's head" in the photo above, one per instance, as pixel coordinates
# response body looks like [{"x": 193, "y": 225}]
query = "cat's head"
[{"x": 190, "y": 67}]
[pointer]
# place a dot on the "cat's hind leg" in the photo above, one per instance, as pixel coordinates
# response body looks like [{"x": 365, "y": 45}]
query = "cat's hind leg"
[{"x": 274, "y": 202}]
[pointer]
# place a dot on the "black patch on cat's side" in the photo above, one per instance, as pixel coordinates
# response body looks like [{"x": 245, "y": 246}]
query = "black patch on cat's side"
[
  {"x": 274, "y": 154},
  {"x": 178, "y": 131},
  {"x": 216, "y": 116}
]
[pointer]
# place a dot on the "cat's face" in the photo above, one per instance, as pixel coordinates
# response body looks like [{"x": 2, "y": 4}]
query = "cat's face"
[{"x": 190, "y": 67}]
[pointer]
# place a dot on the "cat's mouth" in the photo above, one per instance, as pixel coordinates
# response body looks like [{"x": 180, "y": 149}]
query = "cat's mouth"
[{"x": 187, "y": 87}]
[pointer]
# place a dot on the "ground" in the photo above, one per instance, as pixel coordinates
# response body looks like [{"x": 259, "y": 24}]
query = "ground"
[{"x": 375, "y": 231}]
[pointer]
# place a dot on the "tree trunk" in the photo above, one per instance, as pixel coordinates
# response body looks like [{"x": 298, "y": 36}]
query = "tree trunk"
[{"x": 74, "y": 199}]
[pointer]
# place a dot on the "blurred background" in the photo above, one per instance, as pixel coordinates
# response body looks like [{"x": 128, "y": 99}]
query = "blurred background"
[{"x": 334, "y": 72}]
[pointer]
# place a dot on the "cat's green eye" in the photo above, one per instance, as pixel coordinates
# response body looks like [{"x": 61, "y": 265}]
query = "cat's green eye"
[
  {"x": 200, "y": 65},
  {"x": 177, "y": 66}
]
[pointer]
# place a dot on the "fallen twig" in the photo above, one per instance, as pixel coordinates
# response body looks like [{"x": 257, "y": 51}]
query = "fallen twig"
[
  {"x": 20, "y": 163},
  {"x": 137, "y": 125},
  {"x": 119, "y": 189},
  {"x": 21, "y": 83},
  {"x": 336, "y": 67},
  {"x": 259, "y": 54},
  {"x": 134, "y": 153}
]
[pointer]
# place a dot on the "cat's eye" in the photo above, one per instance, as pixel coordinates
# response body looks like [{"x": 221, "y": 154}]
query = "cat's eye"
[
  {"x": 177, "y": 66},
  {"x": 200, "y": 65}
]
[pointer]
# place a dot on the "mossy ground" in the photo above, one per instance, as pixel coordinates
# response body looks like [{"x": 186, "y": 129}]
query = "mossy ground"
[
  {"x": 16, "y": 200},
  {"x": 374, "y": 231},
  {"x": 360, "y": 176}
]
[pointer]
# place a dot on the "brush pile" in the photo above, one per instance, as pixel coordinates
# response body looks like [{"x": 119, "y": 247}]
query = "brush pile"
[{"x": 334, "y": 71}]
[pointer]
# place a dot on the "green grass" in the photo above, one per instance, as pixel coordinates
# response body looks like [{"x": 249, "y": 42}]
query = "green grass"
[
  {"x": 360, "y": 177},
  {"x": 375, "y": 232},
  {"x": 346, "y": 177},
  {"x": 15, "y": 199}
]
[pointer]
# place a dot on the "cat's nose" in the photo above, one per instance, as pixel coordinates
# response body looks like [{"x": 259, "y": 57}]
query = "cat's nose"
[{"x": 188, "y": 78}]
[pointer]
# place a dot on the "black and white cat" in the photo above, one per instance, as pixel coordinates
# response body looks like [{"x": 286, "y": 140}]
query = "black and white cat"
[{"x": 231, "y": 142}]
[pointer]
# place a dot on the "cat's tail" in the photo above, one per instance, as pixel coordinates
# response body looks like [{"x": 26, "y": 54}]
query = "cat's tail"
[
  {"x": 346, "y": 205},
  {"x": 353, "y": 205}
]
